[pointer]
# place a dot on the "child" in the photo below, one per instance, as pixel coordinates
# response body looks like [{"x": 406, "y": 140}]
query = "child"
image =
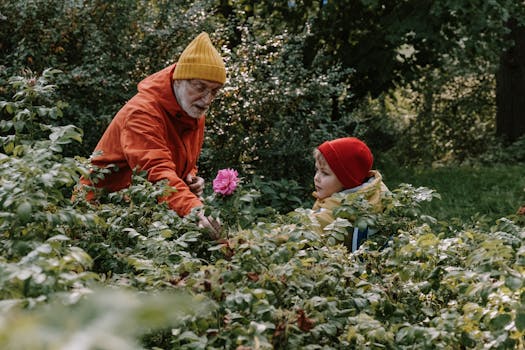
[{"x": 344, "y": 166}]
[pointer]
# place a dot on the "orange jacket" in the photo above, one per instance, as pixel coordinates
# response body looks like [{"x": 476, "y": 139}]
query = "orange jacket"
[{"x": 152, "y": 133}]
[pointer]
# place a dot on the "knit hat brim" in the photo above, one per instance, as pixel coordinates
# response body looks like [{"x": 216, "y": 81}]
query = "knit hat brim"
[{"x": 199, "y": 71}]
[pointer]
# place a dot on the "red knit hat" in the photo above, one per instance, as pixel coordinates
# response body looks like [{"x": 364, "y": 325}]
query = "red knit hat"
[{"x": 349, "y": 158}]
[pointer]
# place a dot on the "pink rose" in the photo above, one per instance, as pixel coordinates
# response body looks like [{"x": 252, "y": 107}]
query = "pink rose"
[{"x": 226, "y": 181}]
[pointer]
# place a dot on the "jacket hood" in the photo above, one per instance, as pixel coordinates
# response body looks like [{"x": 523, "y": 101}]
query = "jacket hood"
[{"x": 157, "y": 88}]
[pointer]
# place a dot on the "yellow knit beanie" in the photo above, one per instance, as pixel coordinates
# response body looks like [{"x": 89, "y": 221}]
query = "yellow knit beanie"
[{"x": 200, "y": 60}]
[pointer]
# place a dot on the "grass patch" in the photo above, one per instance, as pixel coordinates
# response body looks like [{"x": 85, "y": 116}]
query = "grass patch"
[{"x": 491, "y": 192}]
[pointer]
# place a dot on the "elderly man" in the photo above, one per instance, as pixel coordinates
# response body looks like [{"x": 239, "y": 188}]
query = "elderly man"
[{"x": 161, "y": 129}]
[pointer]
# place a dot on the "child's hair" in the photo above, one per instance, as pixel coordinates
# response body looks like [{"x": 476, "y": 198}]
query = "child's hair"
[
  {"x": 349, "y": 158},
  {"x": 318, "y": 157}
]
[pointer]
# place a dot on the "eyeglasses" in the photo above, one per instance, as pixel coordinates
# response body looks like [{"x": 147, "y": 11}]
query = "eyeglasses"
[{"x": 202, "y": 89}]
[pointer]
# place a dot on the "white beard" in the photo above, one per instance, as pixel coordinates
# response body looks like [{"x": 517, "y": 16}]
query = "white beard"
[{"x": 192, "y": 110}]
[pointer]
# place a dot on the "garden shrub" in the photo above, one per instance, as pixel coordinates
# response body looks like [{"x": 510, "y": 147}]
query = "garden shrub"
[
  {"x": 274, "y": 110},
  {"x": 451, "y": 119},
  {"x": 271, "y": 281},
  {"x": 55, "y": 252}
]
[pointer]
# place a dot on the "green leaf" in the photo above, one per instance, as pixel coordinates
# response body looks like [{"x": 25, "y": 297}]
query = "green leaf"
[
  {"x": 9, "y": 108},
  {"x": 360, "y": 303},
  {"x": 514, "y": 283},
  {"x": 500, "y": 321},
  {"x": 338, "y": 236},
  {"x": 520, "y": 321}
]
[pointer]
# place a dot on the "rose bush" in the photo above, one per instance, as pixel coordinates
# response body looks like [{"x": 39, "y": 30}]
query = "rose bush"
[
  {"x": 232, "y": 201},
  {"x": 418, "y": 283}
]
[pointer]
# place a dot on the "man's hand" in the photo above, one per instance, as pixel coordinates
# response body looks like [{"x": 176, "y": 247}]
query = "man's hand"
[
  {"x": 195, "y": 183},
  {"x": 211, "y": 224}
]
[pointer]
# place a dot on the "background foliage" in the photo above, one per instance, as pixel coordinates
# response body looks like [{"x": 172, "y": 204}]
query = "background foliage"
[
  {"x": 128, "y": 273},
  {"x": 407, "y": 76},
  {"x": 414, "y": 79}
]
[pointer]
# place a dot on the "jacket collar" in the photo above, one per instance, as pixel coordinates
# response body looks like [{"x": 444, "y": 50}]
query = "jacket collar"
[
  {"x": 370, "y": 184},
  {"x": 159, "y": 87}
]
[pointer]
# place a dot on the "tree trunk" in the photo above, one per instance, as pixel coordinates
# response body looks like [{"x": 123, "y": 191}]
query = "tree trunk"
[{"x": 510, "y": 87}]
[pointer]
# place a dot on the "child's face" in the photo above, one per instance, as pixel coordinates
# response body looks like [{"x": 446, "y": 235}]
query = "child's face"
[{"x": 326, "y": 183}]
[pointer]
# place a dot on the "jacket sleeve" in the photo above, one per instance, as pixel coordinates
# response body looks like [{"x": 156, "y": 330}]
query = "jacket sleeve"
[{"x": 146, "y": 147}]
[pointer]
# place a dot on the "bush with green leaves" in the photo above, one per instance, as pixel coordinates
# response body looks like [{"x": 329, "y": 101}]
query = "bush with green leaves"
[
  {"x": 36, "y": 219},
  {"x": 296, "y": 71},
  {"x": 275, "y": 110},
  {"x": 52, "y": 253},
  {"x": 272, "y": 281},
  {"x": 417, "y": 282}
]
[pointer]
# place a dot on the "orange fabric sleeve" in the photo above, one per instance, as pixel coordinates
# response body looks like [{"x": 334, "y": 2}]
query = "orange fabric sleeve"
[{"x": 146, "y": 147}]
